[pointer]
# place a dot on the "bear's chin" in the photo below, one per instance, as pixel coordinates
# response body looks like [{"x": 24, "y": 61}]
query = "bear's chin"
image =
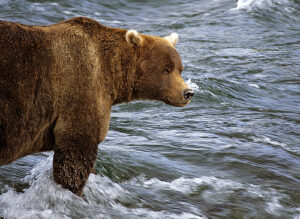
[{"x": 176, "y": 103}]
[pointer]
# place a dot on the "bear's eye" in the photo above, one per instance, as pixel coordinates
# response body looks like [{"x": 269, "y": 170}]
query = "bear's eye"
[
  {"x": 181, "y": 69},
  {"x": 166, "y": 71}
]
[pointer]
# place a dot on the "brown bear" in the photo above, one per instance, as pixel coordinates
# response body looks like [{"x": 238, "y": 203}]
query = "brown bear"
[{"x": 59, "y": 82}]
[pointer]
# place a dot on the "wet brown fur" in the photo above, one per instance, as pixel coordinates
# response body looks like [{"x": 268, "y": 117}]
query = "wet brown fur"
[{"x": 59, "y": 82}]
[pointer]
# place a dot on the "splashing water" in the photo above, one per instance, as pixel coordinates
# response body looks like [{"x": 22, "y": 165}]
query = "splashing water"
[
  {"x": 102, "y": 198},
  {"x": 192, "y": 85},
  {"x": 261, "y": 4},
  {"x": 241, "y": 4}
]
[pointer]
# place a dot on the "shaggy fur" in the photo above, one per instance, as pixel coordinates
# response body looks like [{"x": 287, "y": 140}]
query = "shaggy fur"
[{"x": 59, "y": 82}]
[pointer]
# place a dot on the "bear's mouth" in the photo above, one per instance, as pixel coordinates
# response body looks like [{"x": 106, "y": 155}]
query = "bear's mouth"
[{"x": 173, "y": 103}]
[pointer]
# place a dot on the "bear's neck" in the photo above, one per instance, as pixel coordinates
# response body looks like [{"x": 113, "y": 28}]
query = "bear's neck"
[
  {"x": 124, "y": 82},
  {"x": 120, "y": 63}
]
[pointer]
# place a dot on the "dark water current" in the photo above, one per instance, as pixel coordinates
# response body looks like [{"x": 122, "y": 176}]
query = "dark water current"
[{"x": 234, "y": 152}]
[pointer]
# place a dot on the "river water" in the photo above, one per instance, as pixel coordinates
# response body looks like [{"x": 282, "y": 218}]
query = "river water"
[{"x": 234, "y": 152}]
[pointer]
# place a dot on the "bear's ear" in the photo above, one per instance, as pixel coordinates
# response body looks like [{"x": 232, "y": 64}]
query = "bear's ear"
[
  {"x": 172, "y": 39},
  {"x": 134, "y": 38}
]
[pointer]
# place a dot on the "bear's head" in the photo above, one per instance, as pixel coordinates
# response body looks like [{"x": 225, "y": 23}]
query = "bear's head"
[{"x": 159, "y": 69}]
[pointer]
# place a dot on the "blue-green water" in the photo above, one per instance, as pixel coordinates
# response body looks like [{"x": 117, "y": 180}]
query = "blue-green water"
[{"x": 234, "y": 152}]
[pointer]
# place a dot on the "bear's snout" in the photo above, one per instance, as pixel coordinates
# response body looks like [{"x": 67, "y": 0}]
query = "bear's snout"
[{"x": 188, "y": 94}]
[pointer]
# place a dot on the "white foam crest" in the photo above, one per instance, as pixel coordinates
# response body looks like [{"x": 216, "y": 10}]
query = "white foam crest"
[
  {"x": 271, "y": 196},
  {"x": 188, "y": 186},
  {"x": 254, "y": 85},
  {"x": 145, "y": 213},
  {"x": 42, "y": 199},
  {"x": 268, "y": 140},
  {"x": 43, "y": 168},
  {"x": 46, "y": 199},
  {"x": 192, "y": 85},
  {"x": 274, "y": 206},
  {"x": 102, "y": 190},
  {"x": 297, "y": 216},
  {"x": 68, "y": 12},
  {"x": 261, "y": 4},
  {"x": 110, "y": 21},
  {"x": 244, "y": 3},
  {"x": 215, "y": 190}
]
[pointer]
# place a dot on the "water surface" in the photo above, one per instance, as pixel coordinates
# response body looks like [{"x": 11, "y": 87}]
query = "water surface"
[{"x": 232, "y": 153}]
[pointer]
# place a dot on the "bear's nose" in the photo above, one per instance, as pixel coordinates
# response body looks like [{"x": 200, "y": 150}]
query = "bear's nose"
[{"x": 188, "y": 94}]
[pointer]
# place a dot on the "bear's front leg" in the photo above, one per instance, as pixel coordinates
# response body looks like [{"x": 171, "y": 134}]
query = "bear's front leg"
[
  {"x": 77, "y": 134},
  {"x": 72, "y": 167}
]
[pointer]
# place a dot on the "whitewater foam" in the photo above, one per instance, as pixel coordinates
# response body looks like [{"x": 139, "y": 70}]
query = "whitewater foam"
[
  {"x": 297, "y": 216},
  {"x": 269, "y": 141},
  {"x": 192, "y": 85},
  {"x": 102, "y": 198},
  {"x": 188, "y": 186},
  {"x": 249, "y": 5},
  {"x": 254, "y": 85},
  {"x": 214, "y": 190},
  {"x": 243, "y": 4}
]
